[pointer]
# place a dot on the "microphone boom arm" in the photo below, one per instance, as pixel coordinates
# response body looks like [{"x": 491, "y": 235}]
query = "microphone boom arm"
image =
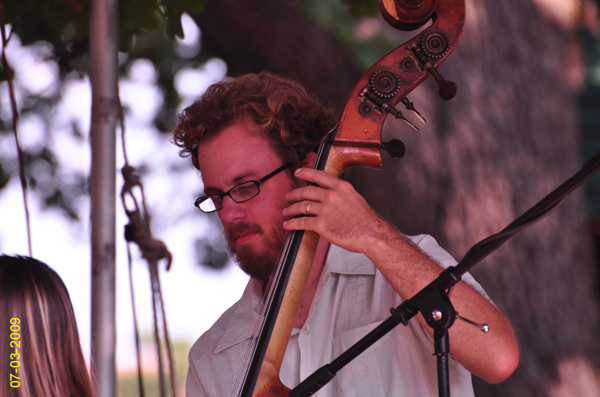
[{"x": 435, "y": 294}]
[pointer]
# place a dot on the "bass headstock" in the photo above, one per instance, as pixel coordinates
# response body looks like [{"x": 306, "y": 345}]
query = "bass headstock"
[{"x": 392, "y": 78}]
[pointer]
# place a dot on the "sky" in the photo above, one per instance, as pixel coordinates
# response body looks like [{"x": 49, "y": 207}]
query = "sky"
[{"x": 194, "y": 296}]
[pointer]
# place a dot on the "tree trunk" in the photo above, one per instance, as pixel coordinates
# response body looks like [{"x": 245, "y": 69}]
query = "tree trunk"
[
  {"x": 505, "y": 141},
  {"x": 252, "y": 36}
]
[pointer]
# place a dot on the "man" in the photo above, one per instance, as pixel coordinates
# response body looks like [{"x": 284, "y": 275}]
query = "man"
[{"x": 254, "y": 140}]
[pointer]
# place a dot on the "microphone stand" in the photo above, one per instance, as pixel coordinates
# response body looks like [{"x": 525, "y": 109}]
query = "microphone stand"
[{"x": 433, "y": 301}]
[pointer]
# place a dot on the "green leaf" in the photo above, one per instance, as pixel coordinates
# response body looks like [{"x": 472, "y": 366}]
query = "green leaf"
[
  {"x": 4, "y": 177},
  {"x": 361, "y": 8},
  {"x": 173, "y": 9}
]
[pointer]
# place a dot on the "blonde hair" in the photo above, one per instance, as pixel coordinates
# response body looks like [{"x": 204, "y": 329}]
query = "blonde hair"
[{"x": 50, "y": 361}]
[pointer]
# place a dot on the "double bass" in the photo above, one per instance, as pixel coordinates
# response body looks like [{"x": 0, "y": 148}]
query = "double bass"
[{"x": 355, "y": 141}]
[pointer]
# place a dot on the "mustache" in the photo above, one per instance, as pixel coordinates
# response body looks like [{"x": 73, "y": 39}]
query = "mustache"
[{"x": 242, "y": 228}]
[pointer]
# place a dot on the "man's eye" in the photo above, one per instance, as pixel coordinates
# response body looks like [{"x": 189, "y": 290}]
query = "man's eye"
[{"x": 246, "y": 189}]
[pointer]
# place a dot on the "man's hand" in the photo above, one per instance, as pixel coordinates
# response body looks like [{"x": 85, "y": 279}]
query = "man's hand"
[
  {"x": 335, "y": 211},
  {"x": 341, "y": 216}
]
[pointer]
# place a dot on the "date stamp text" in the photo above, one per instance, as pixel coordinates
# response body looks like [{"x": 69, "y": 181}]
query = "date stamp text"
[{"x": 15, "y": 342}]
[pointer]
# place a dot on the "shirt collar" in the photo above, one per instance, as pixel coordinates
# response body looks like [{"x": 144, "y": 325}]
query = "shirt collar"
[{"x": 245, "y": 312}]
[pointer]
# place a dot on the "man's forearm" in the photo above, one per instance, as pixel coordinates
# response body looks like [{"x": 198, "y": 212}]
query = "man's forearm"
[{"x": 492, "y": 356}]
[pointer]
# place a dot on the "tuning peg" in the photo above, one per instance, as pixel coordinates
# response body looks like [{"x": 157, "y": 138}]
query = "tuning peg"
[
  {"x": 410, "y": 106},
  {"x": 395, "y": 148},
  {"x": 482, "y": 327},
  {"x": 447, "y": 89},
  {"x": 397, "y": 114}
]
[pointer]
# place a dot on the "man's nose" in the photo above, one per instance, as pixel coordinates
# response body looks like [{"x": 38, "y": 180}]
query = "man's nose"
[{"x": 231, "y": 210}]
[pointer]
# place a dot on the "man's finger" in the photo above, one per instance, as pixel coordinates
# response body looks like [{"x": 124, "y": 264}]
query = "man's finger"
[{"x": 321, "y": 178}]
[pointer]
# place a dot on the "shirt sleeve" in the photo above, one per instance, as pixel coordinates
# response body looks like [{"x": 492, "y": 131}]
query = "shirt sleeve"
[
  {"x": 431, "y": 248},
  {"x": 193, "y": 386}
]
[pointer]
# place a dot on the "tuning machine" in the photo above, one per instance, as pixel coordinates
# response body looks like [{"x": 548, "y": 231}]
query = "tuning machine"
[
  {"x": 376, "y": 96},
  {"x": 395, "y": 148},
  {"x": 410, "y": 106},
  {"x": 433, "y": 45}
]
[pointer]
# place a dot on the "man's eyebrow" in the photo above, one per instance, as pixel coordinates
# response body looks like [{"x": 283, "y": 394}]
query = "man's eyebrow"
[{"x": 234, "y": 182}]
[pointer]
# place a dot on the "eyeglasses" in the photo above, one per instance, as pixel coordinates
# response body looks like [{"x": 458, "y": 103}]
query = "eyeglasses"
[{"x": 240, "y": 193}]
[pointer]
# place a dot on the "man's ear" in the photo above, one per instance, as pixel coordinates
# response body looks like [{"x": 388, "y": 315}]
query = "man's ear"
[{"x": 309, "y": 161}]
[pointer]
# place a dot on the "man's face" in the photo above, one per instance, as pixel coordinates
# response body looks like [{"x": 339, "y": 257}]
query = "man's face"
[{"x": 253, "y": 229}]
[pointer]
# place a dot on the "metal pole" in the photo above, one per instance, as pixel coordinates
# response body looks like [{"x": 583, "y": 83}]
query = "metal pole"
[{"x": 105, "y": 111}]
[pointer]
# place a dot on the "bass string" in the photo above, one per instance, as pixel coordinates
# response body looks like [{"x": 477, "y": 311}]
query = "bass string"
[{"x": 259, "y": 325}]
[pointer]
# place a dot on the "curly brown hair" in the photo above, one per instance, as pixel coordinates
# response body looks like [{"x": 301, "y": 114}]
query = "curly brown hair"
[{"x": 291, "y": 119}]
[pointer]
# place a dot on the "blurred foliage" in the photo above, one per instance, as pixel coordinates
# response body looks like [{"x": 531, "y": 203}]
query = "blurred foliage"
[
  {"x": 360, "y": 8},
  {"x": 66, "y": 23},
  {"x": 57, "y": 31},
  {"x": 210, "y": 255},
  {"x": 4, "y": 177},
  {"x": 354, "y": 24},
  {"x": 146, "y": 30}
]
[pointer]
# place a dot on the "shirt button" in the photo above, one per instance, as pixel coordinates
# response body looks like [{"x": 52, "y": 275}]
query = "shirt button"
[{"x": 306, "y": 330}]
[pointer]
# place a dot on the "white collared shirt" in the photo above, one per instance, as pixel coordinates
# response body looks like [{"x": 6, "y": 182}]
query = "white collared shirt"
[{"x": 352, "y": 298}]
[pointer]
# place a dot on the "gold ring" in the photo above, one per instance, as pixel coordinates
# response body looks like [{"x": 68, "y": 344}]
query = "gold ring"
[{"x": 308, "y": 208}]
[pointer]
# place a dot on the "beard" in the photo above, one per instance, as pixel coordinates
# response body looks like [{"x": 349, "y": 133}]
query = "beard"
[{"x": 259, "y": 265}]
